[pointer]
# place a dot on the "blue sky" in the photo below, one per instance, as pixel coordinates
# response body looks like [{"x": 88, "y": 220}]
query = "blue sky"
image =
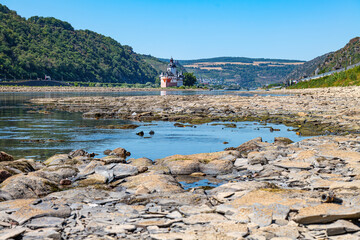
[{"x": 195, "y": 29}]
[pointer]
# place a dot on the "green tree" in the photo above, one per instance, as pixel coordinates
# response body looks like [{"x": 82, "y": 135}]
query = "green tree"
[{"x": 189, "y": 79}]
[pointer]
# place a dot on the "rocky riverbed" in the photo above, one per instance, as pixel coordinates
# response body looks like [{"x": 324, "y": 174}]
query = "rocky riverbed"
[
  {"x": 310, "y": 112},
  {"x": 281, "y": 190}
]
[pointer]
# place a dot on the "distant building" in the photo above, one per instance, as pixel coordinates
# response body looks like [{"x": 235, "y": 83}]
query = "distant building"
[{"x": 171, "y": 78}]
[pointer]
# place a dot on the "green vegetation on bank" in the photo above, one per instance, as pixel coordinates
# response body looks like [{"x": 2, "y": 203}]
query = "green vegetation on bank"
[
  {"x": 349, "y": 77},
  {"x": 35, "y": 47}
]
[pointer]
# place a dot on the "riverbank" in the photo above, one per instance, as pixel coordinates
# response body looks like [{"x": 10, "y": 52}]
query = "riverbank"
[
  {"x": 86, "y": 89},
  {"x": 309, "y": 111},
  {"x": 281, "y": 190}
]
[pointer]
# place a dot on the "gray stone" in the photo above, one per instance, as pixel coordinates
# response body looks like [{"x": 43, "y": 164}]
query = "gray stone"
[
  {"x": 174, "y": 215},
  {"x": 261, "y": 215},
  {"x": 11, "y": 233},
  {"x": 45, "y": 222},
  {"x": 257, "y": 158},
  {"x": 106, "y": 172},
  {"x": 40, "y": 234},
  {"x": 217, "y": 167},
  {"x": 241, "y": 163},
  {"x": 124, "y": 170}
]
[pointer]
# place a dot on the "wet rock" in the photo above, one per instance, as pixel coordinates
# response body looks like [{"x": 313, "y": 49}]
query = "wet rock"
[
  {"x": 107, "y": 152},
  {"x": 151, "y": 132},
  {"x": 184, "y": 167},
  {"x": 217, "y": 167},
  {"x": 5, "y": 157},
  {"x": 22, "y": 186},
  {"x": 120, "y": 152},
  {"x": 141, "y": 133}
]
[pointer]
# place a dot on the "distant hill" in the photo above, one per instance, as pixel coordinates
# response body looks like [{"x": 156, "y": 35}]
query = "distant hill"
[
  {"x": 350, "y": 77},
  {"x": 35, "y": 47},
  {"x": 348, "y": 55},
  {"x": 307, "y": 69},
  {"x": 246, "y": 72}
]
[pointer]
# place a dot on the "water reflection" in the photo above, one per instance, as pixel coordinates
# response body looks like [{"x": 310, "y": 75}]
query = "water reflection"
[{"x": 27, "y": 131}]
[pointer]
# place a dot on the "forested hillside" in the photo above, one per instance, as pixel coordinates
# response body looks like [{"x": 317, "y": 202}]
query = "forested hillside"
[
  {"x": 245, "y": 72},
  {"x": 346, "y": 56},
  {"x": 35, "y": 47}
]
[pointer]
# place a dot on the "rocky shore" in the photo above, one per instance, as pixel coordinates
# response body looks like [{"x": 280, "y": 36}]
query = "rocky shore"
[
  {"x": 256, "y": 191},
  {"x": 282, "y": 190},
  {"x": 310, "y": 112}
]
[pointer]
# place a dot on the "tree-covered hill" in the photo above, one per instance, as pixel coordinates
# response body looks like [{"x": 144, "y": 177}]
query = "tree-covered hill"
[
  {"x": 346, "y": 56},
  {"x": 35, "y": 47},
  {"x": 242, "y": 71}
]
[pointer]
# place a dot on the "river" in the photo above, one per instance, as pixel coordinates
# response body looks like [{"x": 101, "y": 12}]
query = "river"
[{"x": 27, "y": 132}]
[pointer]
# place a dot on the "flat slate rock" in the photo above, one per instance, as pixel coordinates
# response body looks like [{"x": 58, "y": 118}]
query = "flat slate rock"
[
  {"x": 45, "y": 222},
  {"x": 325, "y": 213}
]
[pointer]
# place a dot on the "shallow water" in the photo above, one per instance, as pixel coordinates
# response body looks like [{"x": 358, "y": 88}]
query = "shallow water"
[{"x": 62, "y": 132}]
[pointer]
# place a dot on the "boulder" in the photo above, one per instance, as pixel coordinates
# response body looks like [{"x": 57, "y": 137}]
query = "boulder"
[
  {"x": 45, "y": 222},
  {"x": 124, "y": 170},
  {"x": 58, "y": 159},
  {"x": 249, "y": 146},
  {"x": 120, "y": 152},
  {"x": 18, "y": 166},
  {"x": 141, "y": 162},
  {"x": 56, "y": 174},
  {"x": 217, "y": 167},
  {"x": 4, "y": 157},
  {"x": 4, "y": 175},
  {"x": 160, "y": 183},
  {"x": 81, "y": 153},
  {"x": 23, "y": 186},
  {"x": 257, "y": 158},
  {"x": 184, "y": 167},
  {"x": 282, "y": 141},
  {"x": 112, "y": 159}
]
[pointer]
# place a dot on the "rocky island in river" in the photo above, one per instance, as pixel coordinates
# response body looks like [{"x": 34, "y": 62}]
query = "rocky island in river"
[{"x": 280, "y": 190}]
